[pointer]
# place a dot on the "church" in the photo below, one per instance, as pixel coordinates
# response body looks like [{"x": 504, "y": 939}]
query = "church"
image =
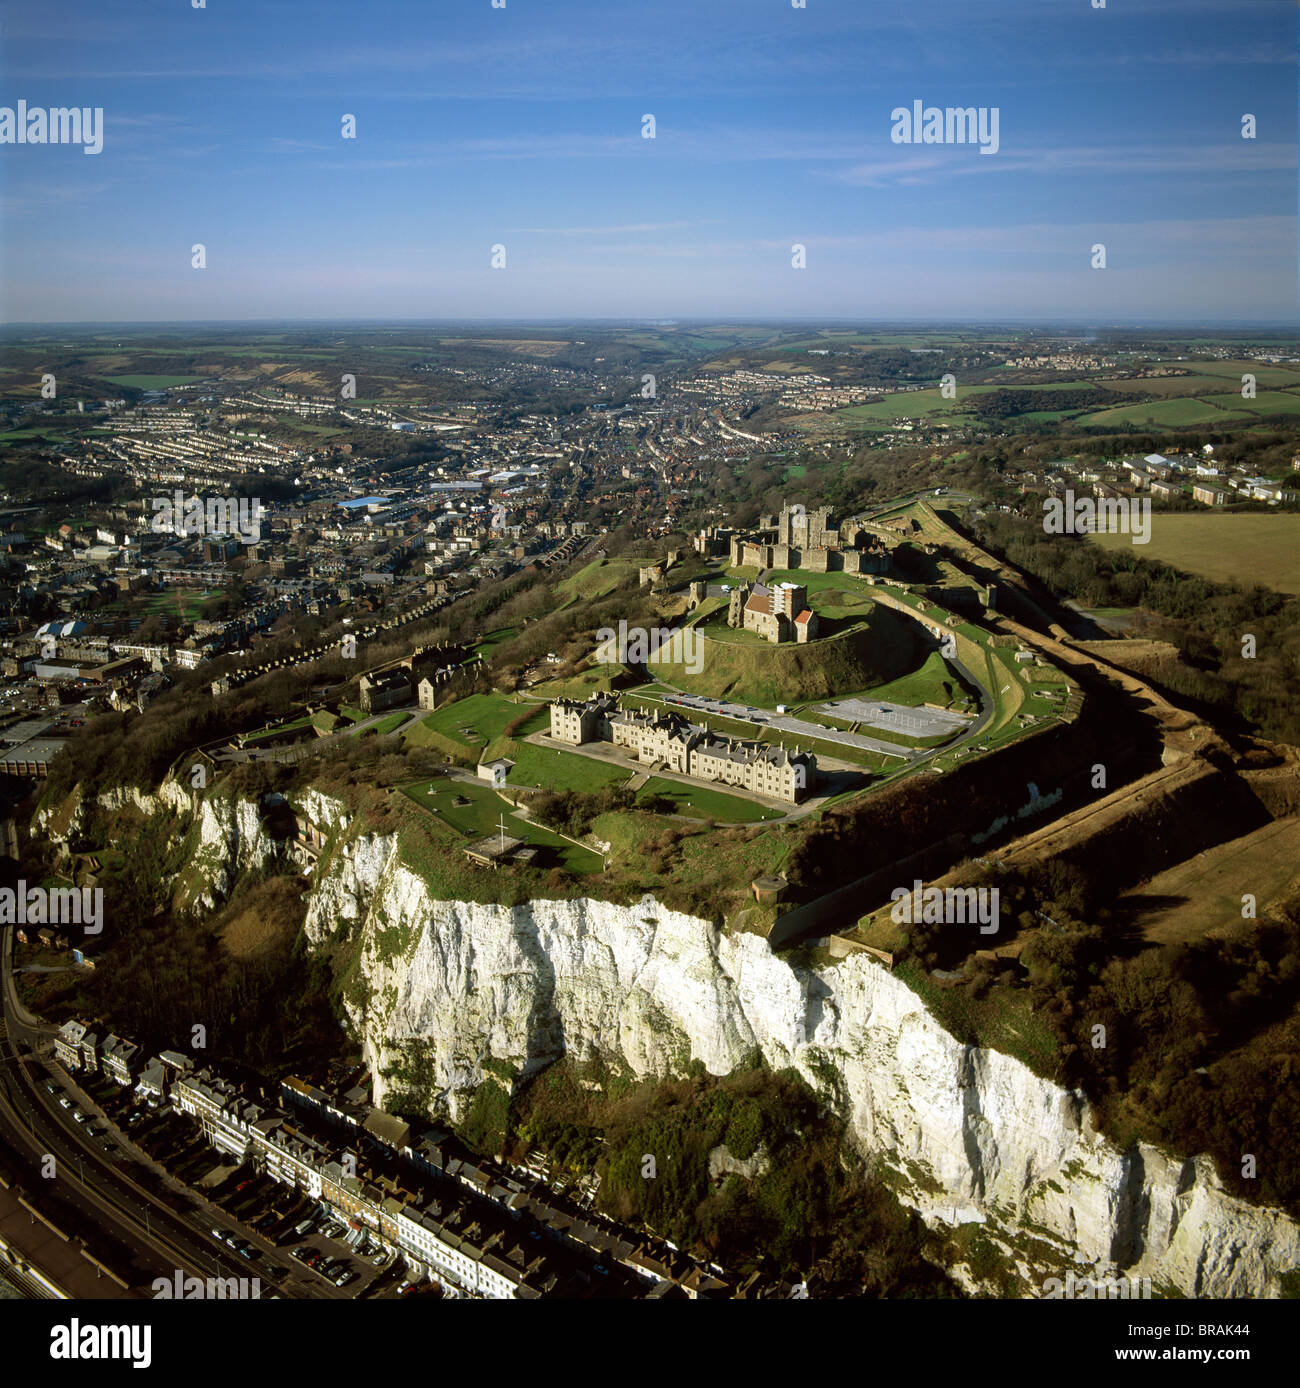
[{"x": 779, "y": 613}]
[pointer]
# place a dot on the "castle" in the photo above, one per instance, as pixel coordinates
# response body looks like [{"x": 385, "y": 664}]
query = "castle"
[
  {"x": 668, "y": 740},
  {"x": 779, "y": 613},
  {"x": 798, "y": 539}
]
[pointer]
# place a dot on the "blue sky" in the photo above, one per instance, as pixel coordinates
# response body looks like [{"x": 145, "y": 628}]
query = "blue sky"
[{"x": 522, "y": 127}]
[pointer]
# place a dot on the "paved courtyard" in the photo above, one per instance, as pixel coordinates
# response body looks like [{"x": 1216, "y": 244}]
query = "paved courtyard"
[{"x": 899, "y": 718}]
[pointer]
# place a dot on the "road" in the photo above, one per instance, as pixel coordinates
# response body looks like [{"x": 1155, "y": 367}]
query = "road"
[
  {"x": 101, "y": 1193},
  {"x": 906, "y": 756}
]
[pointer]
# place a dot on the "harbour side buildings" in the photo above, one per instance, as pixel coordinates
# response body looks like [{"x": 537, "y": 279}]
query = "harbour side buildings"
[{"x": 666, "y": 739}]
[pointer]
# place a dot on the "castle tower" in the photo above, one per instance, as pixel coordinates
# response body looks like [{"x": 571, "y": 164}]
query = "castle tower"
[
  {"x": 789, "y": 600},
  {"x": 736, "y": 607}
]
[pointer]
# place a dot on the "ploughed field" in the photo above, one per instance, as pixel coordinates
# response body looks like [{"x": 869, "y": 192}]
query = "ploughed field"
[{"x": 1244, "y": 549}]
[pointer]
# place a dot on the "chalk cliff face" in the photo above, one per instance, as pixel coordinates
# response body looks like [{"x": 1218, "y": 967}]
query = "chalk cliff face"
[{"x": 975, "y": 1135}]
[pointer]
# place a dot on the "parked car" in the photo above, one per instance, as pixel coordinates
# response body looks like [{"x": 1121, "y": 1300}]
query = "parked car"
[{"x": 64, "y": 1101}]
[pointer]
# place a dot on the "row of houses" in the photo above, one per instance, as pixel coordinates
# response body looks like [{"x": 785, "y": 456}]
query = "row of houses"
[
  {"x": 469, "y": 1227},
  {"x": 78, "y": 1048}
]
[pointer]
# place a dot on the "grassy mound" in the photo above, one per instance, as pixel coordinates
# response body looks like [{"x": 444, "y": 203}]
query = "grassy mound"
[{"x": 878, "y": 646}]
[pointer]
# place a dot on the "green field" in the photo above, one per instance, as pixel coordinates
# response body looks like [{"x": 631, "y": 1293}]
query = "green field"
[
  {"x": 1161, "y": 413},
  {"x": 188, "y": 604},
  {"x": 22, "y": 435},
  {"x": 910, "y": 404},
  {"x": 1266, "y": 402},
  {"x": 482, "y": 816},
  {"x": 1163, "y": 385},
  {"x": 1265, "y": 375},
  {"x": 1244, "y": 549}
]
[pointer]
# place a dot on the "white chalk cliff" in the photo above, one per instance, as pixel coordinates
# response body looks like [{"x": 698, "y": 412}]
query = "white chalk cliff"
[{"x": 975, "y": 1133}]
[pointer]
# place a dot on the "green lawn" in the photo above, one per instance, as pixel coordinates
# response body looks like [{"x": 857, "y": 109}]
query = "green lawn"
[
  {"x": 702, "y": 802},
  {"x": 597, "y": 679},
  {"x": 476, "y": 720},
  {"x": 384, "y": 727},
  {"x": 921, "y": 686},
  {"x": 482, "y": 816},
  {"x": 265, "y": 733},
  {"x": 551, "y": 769}
]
